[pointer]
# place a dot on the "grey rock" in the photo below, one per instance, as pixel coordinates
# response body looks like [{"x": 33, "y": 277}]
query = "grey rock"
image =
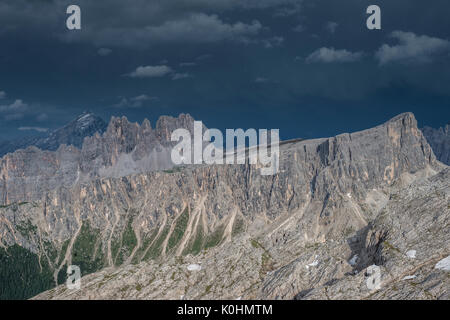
[
  {"x": 124, "y": 148},
  {"x": 284, "y": 236},
  {"x": 439, "y": 140}
]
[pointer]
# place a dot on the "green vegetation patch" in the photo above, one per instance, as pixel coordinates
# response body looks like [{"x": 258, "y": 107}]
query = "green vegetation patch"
[
  {"x": 201, "y": 241},
  {"x": 50, "y": 250},
  {"x": 267, "y": 263},
  {"x": 214, "y": 238},
  {"x": 122, "y": 247},
  {"x": 27, "y": 229},
  {"x": 14, "y": 205},
  {"x": 179, "y": 229},
  {"x": 255, "y": 244},
  {"x": 390, "y": 247},
  {"x": 174, "y": 169},
  {"x": 156, "y": 248},
  {"x": 238, "y": 226},
  {"x": 86, "y": 251},
  {"x": 197, "y": 243},
  {"x": 62, "y": 275},
  {"x": 138, "y": 257}
]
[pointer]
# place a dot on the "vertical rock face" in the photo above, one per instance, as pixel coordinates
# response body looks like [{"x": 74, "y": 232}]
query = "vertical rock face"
[
  {"x": 124, "y": 148},
  {"x": 439, "y": 140},
  {"x": 325, "y": 191}
]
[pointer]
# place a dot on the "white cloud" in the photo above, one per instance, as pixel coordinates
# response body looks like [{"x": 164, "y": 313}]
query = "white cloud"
[
  {"x": 178, "y": 76},
  {"x": 329, "y": 55},
  {"x": 273, "y": 42},
  {"x": 200, "y": 27},
  {"x": 14, "y": 111},
  {"x": 142, "y": 97},
  {"x": 38, "y": 129},
  {"x": 187, "y": 64},
  {"x": 16, "y": 106},
  {"x": 135, "y": 102},
  {"x": 2, "y": 94},
  {"x": 298, "y": 28},
  {"x": 331, "y": 26},
  {"x": 411, "y": 48},
  {"x": 124, "y": 103},
  {"x": 160, "y": 71},
  {"x": 286, "y": 11},
  {"x": 145, "y": 23},
  {"x": 261, "y": 80},
  {"x": 150, "y": 71},
  {"x": 42, "y": 117},
  {"x": 104, "y": 52},
  {"x": 191, "y": 28}
]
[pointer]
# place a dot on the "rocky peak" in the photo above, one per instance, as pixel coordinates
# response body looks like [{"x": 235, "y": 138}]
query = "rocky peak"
[
  {"x": 73, "y": 133},
  {"x": 146, "y": 126},
  {"x": 439, "y": 140},
  {"x": 118, "y": 149},
  {"x": 86, "y": 119},
  {"x": 167, "y": 124}
]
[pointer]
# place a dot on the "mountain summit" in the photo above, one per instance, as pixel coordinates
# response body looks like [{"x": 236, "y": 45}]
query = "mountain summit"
[{"x": 73, "y": 133}]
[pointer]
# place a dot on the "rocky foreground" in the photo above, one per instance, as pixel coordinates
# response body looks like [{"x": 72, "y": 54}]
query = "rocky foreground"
[{"x": 337, "y": 207}]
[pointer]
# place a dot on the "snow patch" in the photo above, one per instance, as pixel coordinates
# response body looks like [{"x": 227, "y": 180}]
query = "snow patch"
[
  {"x": 194, "y": 267},
  {"x": 84, "y": 117},
  {"x": 409, "y": 277},
  {"x": 411, "y": 254},
  {"x": 349, "y": 195},
  {"x": 353, "y": 260},
  {"x": 444, "y": 264},
  {"x": 312, "y": 264}
]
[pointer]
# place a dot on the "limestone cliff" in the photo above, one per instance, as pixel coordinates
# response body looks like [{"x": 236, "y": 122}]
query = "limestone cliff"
[{"x": 327, "y": 192}]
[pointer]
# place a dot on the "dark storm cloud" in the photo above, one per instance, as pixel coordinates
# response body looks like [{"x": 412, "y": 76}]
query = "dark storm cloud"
[
  {"x": 195, "y": 28},
  {"x": 271, "y": 62},
  {"x": 142, "y": 23}
]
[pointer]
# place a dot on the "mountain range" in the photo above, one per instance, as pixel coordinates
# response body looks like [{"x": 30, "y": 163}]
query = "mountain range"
[
  {"x": 139, "y": 227},
  {"x": 73, "y": 133}
]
